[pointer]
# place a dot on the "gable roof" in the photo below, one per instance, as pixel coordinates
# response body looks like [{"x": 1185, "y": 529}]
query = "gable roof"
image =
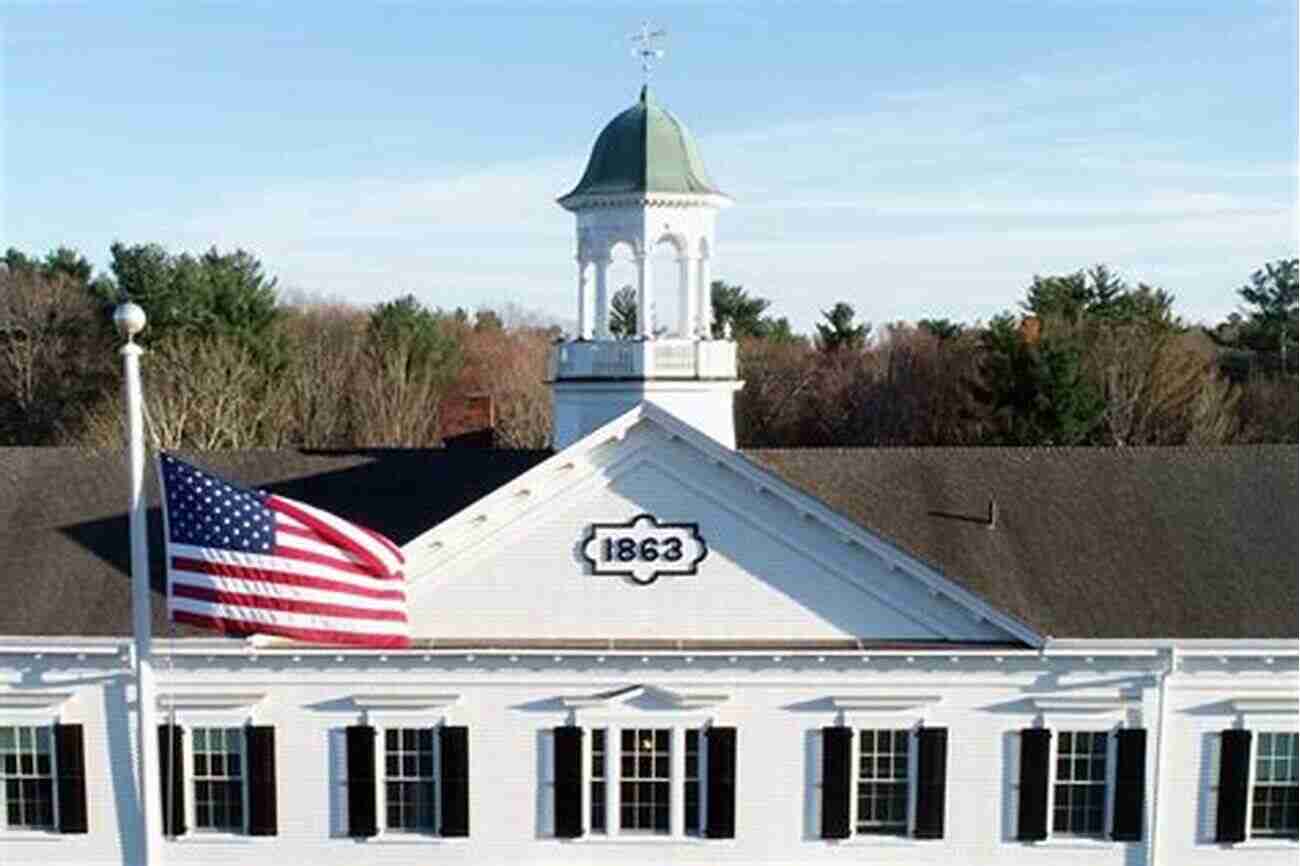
[{"x": 1088, "y": 543}]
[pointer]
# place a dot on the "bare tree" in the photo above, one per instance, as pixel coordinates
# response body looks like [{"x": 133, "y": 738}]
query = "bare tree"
[{"x": 54, "y": 355}]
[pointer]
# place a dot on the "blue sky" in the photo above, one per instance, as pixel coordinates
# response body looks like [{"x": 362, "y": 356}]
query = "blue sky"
[{"x": 917, "y": 159}]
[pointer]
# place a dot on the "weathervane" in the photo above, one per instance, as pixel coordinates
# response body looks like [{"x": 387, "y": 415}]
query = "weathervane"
[{"x": 645, "y": 48}]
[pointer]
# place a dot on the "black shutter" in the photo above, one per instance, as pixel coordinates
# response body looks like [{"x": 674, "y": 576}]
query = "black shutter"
[
  {"x": 1130, "y": 784},
  {"x": 1035, "y": 749},
  {"x": 931, "y": 781},
  {"x": 261, "y": 780},
  {"x": 171, "y": 777},
  {"x": 455, "y": 780},
  {"x": 721, "y": 791},
  {"x": 837, "y": 757},
  {"x": 361, "y": 781},
  {"x": 70, "y": 761},
  {"x": 568, "y": 781},
  {"x": 1234, "y": 780}
]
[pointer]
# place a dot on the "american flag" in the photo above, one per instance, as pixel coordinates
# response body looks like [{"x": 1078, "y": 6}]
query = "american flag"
[{"x": 247, "y": 562}]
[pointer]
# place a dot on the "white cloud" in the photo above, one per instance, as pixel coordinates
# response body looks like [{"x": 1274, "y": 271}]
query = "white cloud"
[{"x": 941, "y": 202}]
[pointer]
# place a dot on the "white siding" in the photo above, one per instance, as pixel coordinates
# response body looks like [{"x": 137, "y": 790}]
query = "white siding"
[{"x": 778, "y": 709}]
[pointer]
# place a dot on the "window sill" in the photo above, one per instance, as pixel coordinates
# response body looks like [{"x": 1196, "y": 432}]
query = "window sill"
[
  {"x": 34, "y": 835},
  {"x": 1081, "y": 843},
  {"x": 645, "y": 839},
  {"x": 204, "y": 837},
  {"x": 1267, "y": 845},
  {"x": 868, "y": 840},
  {"x": 419, "y": 839}
]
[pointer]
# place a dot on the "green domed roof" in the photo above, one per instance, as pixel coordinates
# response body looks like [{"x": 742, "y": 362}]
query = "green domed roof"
[{"x": 644, "y": 149}]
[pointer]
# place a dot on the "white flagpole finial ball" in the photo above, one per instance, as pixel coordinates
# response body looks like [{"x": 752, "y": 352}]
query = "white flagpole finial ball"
[{"x": 129, "y": 319}]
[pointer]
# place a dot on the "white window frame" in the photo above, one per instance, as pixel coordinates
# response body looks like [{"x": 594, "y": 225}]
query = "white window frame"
[
  {"x": 53, "y": 828},
  {"x": 395, "y": 710},
  {"x": 1251, "y": 835},
  {"x": 382, "y": 727},
  {"x": 855, "y": 762},
  {"x": 614, "y": 724},
  {"x": 188, "y": 779},
  {"x": 1107, "y": 828},
  {"x": 881, "y": 711}
]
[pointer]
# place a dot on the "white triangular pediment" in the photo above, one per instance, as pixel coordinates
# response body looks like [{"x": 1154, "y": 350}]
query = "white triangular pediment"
[
  {"x": 647, "y": 529},
  {"x": 644, "y": 697}
]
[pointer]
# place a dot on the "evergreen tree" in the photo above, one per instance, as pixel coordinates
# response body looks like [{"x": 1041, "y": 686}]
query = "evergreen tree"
[
  {"x": 1271, "y": 325},
  {"x": 622, "y": 314},
  {"x": 840, "y": 333}
]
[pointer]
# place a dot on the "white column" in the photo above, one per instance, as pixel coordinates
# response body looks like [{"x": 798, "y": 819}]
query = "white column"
[
  {"x": 602, "y": 298},
  {"x": 686, "y": 308},
  {"x": 585, "y": 311},
  {"x": 150, "y": 817},
  {"x": 706, "y": 297},
  {"x": 645, "y": 313}
]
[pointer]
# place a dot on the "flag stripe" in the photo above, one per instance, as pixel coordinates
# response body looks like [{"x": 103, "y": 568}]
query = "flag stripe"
[
  {"x": 267, "y": 602},
  {"x": 293, "y": 551},
  {"x": 336, "y": 531},
  {"x": 240, "y": 628},
  {"x": 388, "y": 545},
  {"x": 363, "y": 538},
  {"x": 289, "y": 564},
  {"x": 257, "y": 617},
  {"x": 282, "y": 585}
]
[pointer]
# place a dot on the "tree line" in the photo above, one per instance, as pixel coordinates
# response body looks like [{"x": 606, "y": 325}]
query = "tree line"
[{"x": 1083, "y": 359}]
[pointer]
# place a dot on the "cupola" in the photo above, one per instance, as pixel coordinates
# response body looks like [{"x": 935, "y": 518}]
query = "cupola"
[{"x": 645, "y": 185}]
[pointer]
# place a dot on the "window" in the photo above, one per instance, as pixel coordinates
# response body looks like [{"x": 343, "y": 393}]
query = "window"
[
  {"x": 1079, "y": 794},
  {"x": 598, "y": 780},
  {"x": 882, "y": 788},
  {"x": 409, "y": 780},
  {"x": 26, "y": 766},
  {"x": 645, "y": 780},
  {"x": 883, "y": 782},
  {"x": 219, "y": 779},
  {"x": 1273, "y": 795},
  {"x": 613, "y": 780}
]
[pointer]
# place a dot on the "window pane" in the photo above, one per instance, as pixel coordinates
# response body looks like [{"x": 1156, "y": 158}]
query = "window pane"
[
  {"x": 645, "y": 763},
  {"x": 217, "y": 765},
  {"x": 882, "y": 784},
  {"x": 1275, "y": 792},
  {"x": 1079, "y": 795}
]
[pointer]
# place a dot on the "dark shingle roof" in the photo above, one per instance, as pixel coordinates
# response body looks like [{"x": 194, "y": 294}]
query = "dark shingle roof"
[
  {"x": 1089, "y": 542},
  {"x": 64, "y": 557},
  {"x": 1188, "y": 543}
]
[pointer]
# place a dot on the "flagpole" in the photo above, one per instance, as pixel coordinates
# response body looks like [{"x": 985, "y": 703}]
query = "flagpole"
[{"x": 130, "y": 320}]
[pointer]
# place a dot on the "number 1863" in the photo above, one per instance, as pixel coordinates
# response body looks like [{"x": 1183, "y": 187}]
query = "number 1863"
[{"x": 627, "y": 549}]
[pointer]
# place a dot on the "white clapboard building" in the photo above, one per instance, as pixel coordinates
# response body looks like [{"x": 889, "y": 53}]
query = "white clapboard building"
[{"x": 647, "y": 646}]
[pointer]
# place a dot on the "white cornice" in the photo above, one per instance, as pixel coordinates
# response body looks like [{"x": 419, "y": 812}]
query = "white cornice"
[
  {"x": 404, "y": 700},
  {"x": 1265, "y": 702},
  {"x": 209, "y": 700},
  {"x": 1080, "y": 703},
  {"x": 680, "y": 700},
  {"x": 33, "y": 699},
  {"x": 588, "y": 201},
  {"x": 883, "y": 702}
]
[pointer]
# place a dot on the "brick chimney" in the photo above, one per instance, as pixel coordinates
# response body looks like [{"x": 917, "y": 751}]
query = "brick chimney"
[{"x": 468, "y": 421}]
